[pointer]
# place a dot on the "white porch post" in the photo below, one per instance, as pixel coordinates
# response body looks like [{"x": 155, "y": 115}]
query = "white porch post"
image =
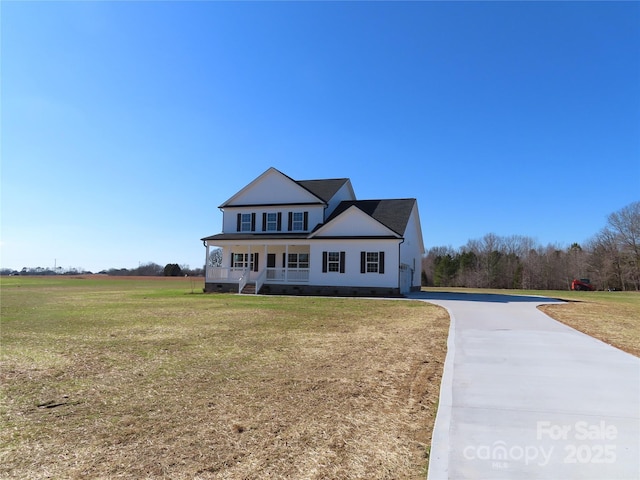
[
  {"x": 286, "y": 260},
  {"x": 206, "y": 262}
]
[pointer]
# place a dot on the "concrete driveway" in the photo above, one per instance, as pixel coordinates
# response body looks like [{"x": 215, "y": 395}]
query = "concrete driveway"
[{"x": 526, "y": 397}]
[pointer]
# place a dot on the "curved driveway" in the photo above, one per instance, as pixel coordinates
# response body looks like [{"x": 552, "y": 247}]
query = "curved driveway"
[{"x": 526, "y": 397}]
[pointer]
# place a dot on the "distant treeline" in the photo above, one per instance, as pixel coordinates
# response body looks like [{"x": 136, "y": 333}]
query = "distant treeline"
[
  {"x": 155, "y": 270},
  {"x": 145, "y": 270},
  {"x": 611, "y": 260}
]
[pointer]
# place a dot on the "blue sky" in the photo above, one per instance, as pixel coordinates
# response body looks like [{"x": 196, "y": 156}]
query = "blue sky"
[{"x": 126, "y": 124}]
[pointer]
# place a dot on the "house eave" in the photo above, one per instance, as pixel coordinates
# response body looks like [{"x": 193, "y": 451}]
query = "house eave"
[
  {"x": 259, "y": 237},
  {"x": 255, "y": 236},
  {"x": 356, "y": 237},
  {"x": 273, "y": 205}
]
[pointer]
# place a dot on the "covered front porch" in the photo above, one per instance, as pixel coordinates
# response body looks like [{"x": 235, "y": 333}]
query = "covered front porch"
[{"x": 246, "y": 268}]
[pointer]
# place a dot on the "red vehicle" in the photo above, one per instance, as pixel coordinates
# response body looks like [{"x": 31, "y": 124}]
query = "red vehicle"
[{"x": 582, "y": 284}]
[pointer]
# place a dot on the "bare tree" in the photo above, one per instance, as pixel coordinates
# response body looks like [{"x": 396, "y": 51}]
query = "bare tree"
[
  {"x": 605, "y": 260},
  {"x": 215, "y": 258},
  {"x": 577, "y": 266},
  {"x": 625, "y": 226},
  {"x": 611, "y": 258}
]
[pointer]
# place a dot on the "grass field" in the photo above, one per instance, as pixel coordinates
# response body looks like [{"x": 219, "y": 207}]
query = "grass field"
[
  {"x": 149, "y": 378},
  {"x": 106, "y": 377}
]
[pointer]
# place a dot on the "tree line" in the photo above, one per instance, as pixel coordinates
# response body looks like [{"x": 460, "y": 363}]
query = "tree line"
[
  {"x": 144, "y": 270},
  {"x": 610, "y": 259},
  {"x": 154, "y": 270}
]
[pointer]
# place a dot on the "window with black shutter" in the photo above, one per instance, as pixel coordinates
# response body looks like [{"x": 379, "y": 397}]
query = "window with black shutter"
[
  {"x": 371, "y": 262},
  {"x": 246, "y": 222},
  {"x": 270, "y": 222},
  {"x": 297, "y": 221},
  {"x": 333, "y": 261}
]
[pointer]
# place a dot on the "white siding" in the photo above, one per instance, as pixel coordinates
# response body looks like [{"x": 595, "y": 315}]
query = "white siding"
[
  {"x": 352, "y": 275},
  {"x": 272, "y": 188},
  {"x": 411, "y": 249},
  {"x": 230, "y": 217},
  {"x": 354, "y": 221}
]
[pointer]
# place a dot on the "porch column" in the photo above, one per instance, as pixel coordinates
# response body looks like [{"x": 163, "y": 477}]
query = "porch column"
[
  {"x": 206, "y": 262},
  {"x": 286, "y": 260}
]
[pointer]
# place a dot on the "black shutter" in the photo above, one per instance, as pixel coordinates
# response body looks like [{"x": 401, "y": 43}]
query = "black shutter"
[
  {"x": 279, "y": 227},
  {"x": 231, "y": 260},
  {"x": 324, "y": 262},
  {"x": 264, "y": 221},
  {"x": 253, "y": 222},
  {"x": 255, "y": 262},
  {"x": 342, "y": 258},
  {"x": 284, "y": 260},
  {"x": 290, "y": 221},
  {"x": 381, "y": 262},
  {"x": 363, "y": 262},
  {"x": 239, "y": 222},
  {"x": 306, "y": 221}
]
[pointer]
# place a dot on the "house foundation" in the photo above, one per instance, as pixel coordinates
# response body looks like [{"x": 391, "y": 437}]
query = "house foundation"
[{"x": 309, "y": 290}]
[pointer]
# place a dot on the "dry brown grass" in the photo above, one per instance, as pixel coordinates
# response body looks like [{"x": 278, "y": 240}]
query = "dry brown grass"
[
  {"x": 613, "y": 317},
  {"x": 108, "y": 379}
]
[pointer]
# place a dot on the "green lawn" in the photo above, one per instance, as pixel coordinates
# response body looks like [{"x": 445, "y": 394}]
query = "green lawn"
[{"x": 108, "y": 377}]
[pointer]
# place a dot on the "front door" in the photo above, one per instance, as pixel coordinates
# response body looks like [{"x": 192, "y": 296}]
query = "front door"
[{"x": 271, "y": 260}]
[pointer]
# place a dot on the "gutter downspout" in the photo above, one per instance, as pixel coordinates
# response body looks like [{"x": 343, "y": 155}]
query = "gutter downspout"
[
  {"x": 206, "y": 261},
  {"x": 399, "y": 263}
]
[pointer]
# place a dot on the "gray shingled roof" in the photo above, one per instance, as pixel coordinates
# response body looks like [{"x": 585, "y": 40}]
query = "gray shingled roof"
[
  {"x": 392, "y": 213},
  {"x": 323, "y": 189}
]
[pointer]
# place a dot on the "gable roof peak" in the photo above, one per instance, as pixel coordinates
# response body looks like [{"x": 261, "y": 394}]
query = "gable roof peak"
[
  {"x": 393, "y": 213},
  {"x": 269, "y": 172},
  {"x": 322, "y": 189}
]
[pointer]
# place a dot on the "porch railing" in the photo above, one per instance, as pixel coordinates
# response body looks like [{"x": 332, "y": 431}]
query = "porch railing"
[
  {"x": 287, "y": 275},
  {"x": 223, "y": 274},
  {"x": 242, "y": 281},
  {"x": 265, "y": 276},
  {"x": 260, "y": 280}
]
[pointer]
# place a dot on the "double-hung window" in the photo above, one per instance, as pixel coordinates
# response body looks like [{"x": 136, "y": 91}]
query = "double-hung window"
[
  {"x": 272, "y": 222},
  {"x": 371, "y": 262},
  {"x": 333, "y": 262},
  {"x": 298, "y": 221},
  {"x": 246, "y": 222},
  {"x": 298, "y": 260},
  {"x": 244, "y": 261}
]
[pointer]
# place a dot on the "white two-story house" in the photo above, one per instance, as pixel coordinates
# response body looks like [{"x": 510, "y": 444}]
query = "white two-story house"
[{"x": 313, "y": 237}]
